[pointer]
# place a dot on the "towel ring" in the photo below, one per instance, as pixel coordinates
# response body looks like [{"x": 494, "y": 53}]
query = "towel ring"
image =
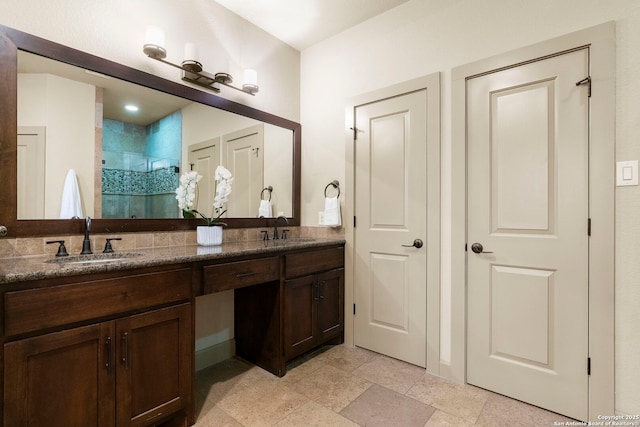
[
  {"x": 269, "y": 189},
  {"x": 335, "y": 184}
]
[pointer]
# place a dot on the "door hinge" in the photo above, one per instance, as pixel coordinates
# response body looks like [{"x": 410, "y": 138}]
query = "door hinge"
[
  {"x": 588, "y": 366},
  {"x": 354, "y": 221},
  {"x": 354, "y": 309},
  {"x": 465, "y": 247},
  {"x": 586, "y": 82},
  {"x": 589, "y": 227}
]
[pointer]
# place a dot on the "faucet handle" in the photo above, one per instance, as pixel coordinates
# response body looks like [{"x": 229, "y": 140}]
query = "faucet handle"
[
  {"x": 62, "y": 249},
  {"x": 265, "y": 234},
  {"x": 107, "y": 246},
  {"x": 284, "y": 233}
]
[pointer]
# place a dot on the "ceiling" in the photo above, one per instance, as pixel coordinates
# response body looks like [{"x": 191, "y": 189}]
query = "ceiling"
[{"x": 302, "y": 23}]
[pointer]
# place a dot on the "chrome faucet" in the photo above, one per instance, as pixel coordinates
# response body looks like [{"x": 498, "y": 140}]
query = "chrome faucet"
[
  {"x": 275, "y": 228},
  {"x": 86, "y": 243}
]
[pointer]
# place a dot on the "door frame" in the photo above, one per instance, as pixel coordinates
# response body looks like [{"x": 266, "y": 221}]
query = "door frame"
[
  {"x": 430, "y": 83},
  {"x": 601, "y": 42},
  {"x": 41, "y": 152}
]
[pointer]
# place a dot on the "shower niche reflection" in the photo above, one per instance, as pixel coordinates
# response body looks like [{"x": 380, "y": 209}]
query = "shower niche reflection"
[{"x": 140, "y": 169}]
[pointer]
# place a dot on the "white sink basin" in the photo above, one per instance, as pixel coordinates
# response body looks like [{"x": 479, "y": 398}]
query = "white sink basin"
[
  {"x": 100, "y": 258},
  {"x": 92, "y": 261}
]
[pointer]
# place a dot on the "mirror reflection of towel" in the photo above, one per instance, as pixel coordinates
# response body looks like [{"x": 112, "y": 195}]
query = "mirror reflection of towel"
[
  {"x": 71, "y": 205},
  {"x": 331, "y": 214},
  {"x": 264, "y": 211}
]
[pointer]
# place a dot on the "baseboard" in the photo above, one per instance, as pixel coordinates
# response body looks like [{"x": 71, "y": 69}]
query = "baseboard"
[
  {"x": 209, "y": 356},
  {"x": 445, "y": 371}
]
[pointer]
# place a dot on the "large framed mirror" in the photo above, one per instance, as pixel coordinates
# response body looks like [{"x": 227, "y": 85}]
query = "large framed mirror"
[{"x": 62, "y": 110}]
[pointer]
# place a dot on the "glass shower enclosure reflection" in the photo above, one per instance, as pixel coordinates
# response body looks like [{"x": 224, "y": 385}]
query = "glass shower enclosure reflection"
[{"x": 140, "y": 168}]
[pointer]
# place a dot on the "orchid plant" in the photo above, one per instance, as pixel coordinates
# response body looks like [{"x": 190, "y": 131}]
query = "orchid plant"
[{"x": 186, "y": 194}]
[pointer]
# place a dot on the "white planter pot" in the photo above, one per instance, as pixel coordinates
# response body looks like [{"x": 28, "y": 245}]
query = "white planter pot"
[{"x": 209, "y": 236}]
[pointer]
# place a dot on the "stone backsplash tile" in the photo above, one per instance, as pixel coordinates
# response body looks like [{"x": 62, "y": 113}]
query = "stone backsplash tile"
[
  {"x": 131, "y": 241},
  {"x": 322, "y": 232}
]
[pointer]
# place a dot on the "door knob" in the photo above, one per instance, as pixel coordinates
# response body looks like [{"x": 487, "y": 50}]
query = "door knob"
[
  {"x": 479, "y": 249},
  {"x": 416, "y": 244}
]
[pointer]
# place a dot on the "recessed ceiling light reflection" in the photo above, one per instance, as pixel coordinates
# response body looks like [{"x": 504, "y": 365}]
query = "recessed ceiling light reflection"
[{"x": 131, "y": 108}]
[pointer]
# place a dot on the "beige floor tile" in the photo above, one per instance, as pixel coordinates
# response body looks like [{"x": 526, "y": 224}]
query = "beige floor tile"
[
  {"x": 346, "y": 358},
  {"x": 228, "y": 377},
  {"x": 331, "y": 387},
  {"x": 443, "y": 419},
  {"x": 500, "y": 410},
  {"x": 262, "y": 404},
  {"x": 313, "y": 414},
  {"x": 302, "y": 370},
  {"x": 379, "y": 406},
  {"x": 390, "y": 373},
  {"x": 460, "y": 400},
  {"x": 212, "y": 416},
  {"x": 340, "y": 385}
]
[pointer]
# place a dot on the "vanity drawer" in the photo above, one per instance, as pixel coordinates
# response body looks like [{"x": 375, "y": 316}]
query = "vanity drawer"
[
  {"x": 34, "y": 309},
  {"x": 232, "y": 275},
  {"x": 301, "y": 263}
]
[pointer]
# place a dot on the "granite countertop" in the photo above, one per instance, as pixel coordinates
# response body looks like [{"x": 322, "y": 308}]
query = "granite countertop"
[{"x": 19, "y": 269}]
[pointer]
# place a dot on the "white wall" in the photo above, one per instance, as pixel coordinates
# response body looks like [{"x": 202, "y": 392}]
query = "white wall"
[
  {"x": 70, "y": 128},
  {"x": 425, "y": 36},
  {"x": 116, "y": 30}
]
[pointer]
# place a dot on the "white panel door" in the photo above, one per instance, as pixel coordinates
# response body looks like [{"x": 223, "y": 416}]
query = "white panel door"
[
  {"x": 527, "y": 206},
  {"x": 31, "y": 172},
  {"x": 204, "y": 158},
  {"x": 391, "y": 212},
  {"x": 244, "y": 157}
]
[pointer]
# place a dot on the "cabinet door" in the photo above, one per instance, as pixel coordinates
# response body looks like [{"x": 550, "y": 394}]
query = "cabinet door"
[
  {"x": 330, "y": 304},
  {"x": 61, "y": 379},
  {"x": 299, "y": 315},
  {"x": 154, "y": 365}
]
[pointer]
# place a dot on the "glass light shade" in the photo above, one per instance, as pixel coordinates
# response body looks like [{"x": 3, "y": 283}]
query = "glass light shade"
[
  {"x": 154, "y": 44},
  {"x": 250, "y": 84},
  {"x": 155, "y": 36},
  {"x": 250, "y": 77},
  {"x": 190, "y": 52}
]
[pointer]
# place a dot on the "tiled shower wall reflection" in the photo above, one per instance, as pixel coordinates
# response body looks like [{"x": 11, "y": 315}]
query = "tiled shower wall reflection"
[{"x": 140, "y": 168}]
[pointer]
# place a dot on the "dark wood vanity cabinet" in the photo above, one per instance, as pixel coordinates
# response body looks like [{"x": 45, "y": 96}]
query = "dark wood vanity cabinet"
[
  {"x": 313, "y": 311},
  {"x": 130, "y": 370},
  {"x": 285, "y": 311},
  {"x": 313, "y": 302},
  {"x": 117, "y": 348},
  {"x": 153, "y": 365},
  {"x": 60, "y": 379}
]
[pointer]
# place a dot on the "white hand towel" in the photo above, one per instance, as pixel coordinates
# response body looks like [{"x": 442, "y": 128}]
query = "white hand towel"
[
  {"x": 264, "y": 211},
  {"x": 71, "y": 205},
  {"x": 331, "y": 217}
]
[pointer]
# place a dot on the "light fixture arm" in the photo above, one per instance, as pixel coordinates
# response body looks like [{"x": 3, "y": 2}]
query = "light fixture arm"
[{"x": 192, "y": 72}]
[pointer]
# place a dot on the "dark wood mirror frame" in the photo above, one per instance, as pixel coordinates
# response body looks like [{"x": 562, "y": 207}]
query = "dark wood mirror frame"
[{"x": 13, "y": 40}]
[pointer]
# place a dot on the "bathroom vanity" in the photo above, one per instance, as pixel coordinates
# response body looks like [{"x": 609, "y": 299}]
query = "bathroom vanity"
[{"x": 116, "y": 336}]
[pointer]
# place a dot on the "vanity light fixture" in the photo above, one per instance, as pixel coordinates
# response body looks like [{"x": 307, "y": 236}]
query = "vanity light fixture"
[{"x": 192, "y": 70}]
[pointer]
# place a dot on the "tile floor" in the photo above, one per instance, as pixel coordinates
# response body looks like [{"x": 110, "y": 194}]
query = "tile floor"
[{"x": 348, "y": 386}]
